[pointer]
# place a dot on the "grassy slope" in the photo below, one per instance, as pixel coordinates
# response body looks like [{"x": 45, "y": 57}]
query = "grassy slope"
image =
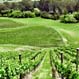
[
  {"x": 69, "y": 32},
  {"x": 29, "y": 34},
  {"x": 6, "y": 23}
]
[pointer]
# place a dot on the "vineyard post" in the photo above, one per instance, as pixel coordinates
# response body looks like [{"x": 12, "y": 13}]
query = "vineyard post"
[
  {"x": 34, "y": 65},
  {"x": 62, "y": 57},
  {"x": 77, "y": 55},
  {"x": 20, "y": 58}
]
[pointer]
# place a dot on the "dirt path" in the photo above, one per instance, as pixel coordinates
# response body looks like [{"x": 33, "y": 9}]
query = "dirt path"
[
  {"x": 57, "y": 76},
  {"x": 28, "y": 76}
]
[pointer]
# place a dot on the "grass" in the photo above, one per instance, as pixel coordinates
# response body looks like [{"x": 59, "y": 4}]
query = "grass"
[
  {"x": 44, "y": 71},
  {"x": 69, "y": 32},
  {"x": 34, "y": 35},
  {"x": 6, "y": 23}
]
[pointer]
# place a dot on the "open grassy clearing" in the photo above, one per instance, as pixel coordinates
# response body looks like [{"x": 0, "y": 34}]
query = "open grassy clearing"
[
  {"x": 69, "y": 32},
  {"x": 17, "y": 35},
  {"x": 6, "y": 23},
  {"x": 40, "y": 36}
]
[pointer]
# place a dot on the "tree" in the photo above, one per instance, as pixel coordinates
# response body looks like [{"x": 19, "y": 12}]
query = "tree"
[
  {"x": 77, "y": 6},
  {"x": 2, "y": 7},
  {"x": 43, "y": 5},
  {"x": 26, "y": 5}
]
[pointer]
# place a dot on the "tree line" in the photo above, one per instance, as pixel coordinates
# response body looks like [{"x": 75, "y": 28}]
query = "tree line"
[{"x": 51, "y": 6}]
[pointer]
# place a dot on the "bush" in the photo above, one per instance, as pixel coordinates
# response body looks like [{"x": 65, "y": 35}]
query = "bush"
[
  {"x": 69, "y": 18},
  {"x": 76, "y": 15},
  {"x": 19, "y": 14},
  {"x": 25, "y": 14},
  {"x": 55, "y": 16},
  {"x": 28, "y": 14},
  {"x": 5, "y": 12},
  {"x": 0, "y": 15},
  {"x": 37, "y": 12},
  {"x": 46, "y": 15},
  {"x": 16, "y": 14}
]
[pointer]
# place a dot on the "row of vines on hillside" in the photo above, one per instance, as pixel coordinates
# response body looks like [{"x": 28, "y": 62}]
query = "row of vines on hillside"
[
  {"x": 65, "y": 61},
  {"x": 15, "y": 66}
]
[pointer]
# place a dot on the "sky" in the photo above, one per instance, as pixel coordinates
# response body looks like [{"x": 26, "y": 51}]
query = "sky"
[{"x": 1, "y": 1}]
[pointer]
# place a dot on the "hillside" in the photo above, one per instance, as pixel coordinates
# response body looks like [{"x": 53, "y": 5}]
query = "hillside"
[{"x": 13, "y": 32}]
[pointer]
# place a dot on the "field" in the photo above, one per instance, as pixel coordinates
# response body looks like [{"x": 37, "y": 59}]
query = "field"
[{"x": 36, "y": 46}]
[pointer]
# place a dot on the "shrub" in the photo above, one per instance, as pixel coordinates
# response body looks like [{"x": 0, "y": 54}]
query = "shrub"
[
  {"x": 0, "y": 15},
  {"x": 55, "y": 16},
  {"x": 69, "y": 18},
  {"x": 46, "y": 15},
  {"x": 28, "y": 14},
  {"x": 25, "y": 14},
  {"x": 76, "y": 15},
  {"x": 31, "y": 14},
  {"x": 16, "y": 14},
  {"x": 37, "y": 12},
  {"x": 5, "y": 12},
  {"x": 5, "y": 15}
]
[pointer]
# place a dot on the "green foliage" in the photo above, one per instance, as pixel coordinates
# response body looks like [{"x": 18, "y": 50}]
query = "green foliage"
[
  {"x": 49, "y": 16},
  {"x": 5, "y": 13},
  {"x": 16, "y": 14},
  {"x": 19, "y": 14},
  {"x": 11, "y": 68},
  {"x": 28, "y": 14},
  {"x": 46, "y": 15},
  {"x": 74, "y": 75},
  {"x": 76, "y": 15},
  {"x": 55, "y": 16},
  {"x": 2, "y": 73},
  {"x": 26, "y": 5},
  {"x": 25, "y": 14},
  {"x": 69, "y": 18},
  {"x": 67, "y": 67},
  {"x": 37, "y": 12}
]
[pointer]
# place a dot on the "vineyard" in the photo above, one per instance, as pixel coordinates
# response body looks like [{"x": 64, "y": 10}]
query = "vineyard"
[
  {"x": 45, "y": 52},
  {"x": 63, "y": 61},
  {"x": 13, "y": 64}
]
